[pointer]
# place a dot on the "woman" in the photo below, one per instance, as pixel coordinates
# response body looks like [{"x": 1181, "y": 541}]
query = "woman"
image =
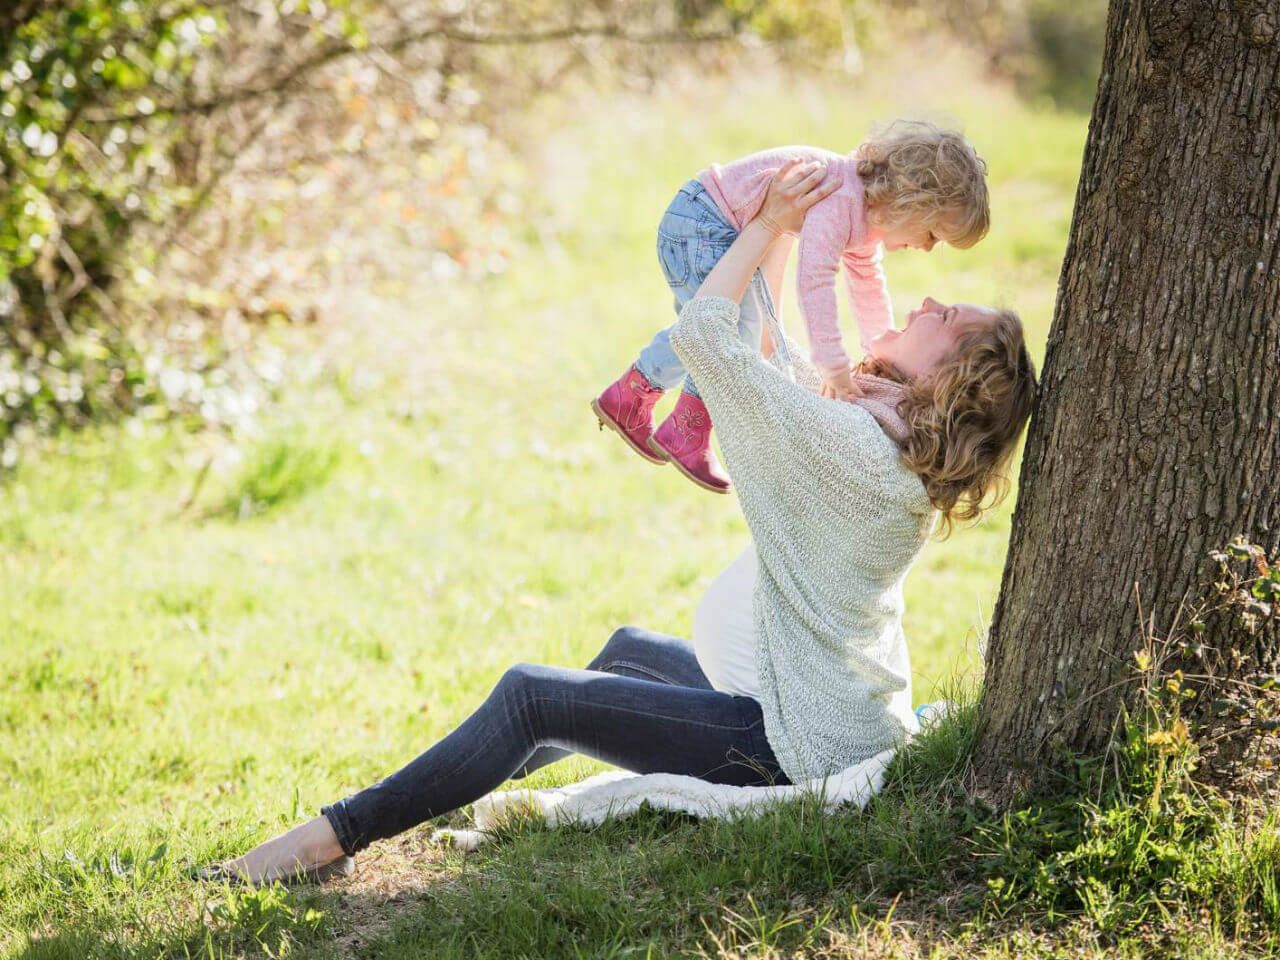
[{"x": 799, "y": 667}]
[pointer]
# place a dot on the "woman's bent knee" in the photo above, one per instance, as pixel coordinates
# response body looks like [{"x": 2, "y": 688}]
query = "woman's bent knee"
[
  {"x": 624, "y": 638},
  {"x": 517, "y": 675},
  {"x": 625, "y": 633},
  {"x": 522, "y": 680}
]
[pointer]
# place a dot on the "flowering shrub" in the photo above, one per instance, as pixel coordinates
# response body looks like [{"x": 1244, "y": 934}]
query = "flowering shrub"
[{"x": 177, "y": 172}]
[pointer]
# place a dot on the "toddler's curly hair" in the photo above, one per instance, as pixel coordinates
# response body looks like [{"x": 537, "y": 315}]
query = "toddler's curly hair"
[{"x": 915, "y": 171}]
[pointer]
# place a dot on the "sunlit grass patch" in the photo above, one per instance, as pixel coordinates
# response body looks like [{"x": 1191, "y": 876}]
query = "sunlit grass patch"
[{"x": 278, "y": 472}]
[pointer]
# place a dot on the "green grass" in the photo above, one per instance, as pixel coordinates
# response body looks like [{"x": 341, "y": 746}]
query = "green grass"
[{"x": 183, "y": 676}]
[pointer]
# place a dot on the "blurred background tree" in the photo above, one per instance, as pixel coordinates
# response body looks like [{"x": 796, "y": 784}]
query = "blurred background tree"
[
  {"x": 1049, "y": 48},
  {"x": 168, "y": 164}
]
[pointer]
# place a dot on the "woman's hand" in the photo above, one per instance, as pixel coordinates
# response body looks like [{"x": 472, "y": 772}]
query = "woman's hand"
[{"x": 795, "y": 188}]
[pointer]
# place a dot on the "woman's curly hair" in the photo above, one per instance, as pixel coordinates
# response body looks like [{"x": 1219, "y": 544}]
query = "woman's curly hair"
[
  {"x": 918, "y": 172},
  {"x": 964, "y": 419}
]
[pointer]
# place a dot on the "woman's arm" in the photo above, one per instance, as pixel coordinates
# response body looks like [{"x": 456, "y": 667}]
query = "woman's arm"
[
  {"x": 730, "y": 276},
  {"x": 794, "y": 189},
  {"x": 761, "y": 416},
  {"x": 775, "y": 268}
]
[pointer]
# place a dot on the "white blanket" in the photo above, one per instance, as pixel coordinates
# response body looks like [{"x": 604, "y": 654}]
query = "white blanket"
[{"x": 620, "y": 792}]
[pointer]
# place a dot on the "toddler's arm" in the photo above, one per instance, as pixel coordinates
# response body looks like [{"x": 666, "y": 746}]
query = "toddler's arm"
[
  {"x": 868, "y": 293},
  {"x": 822, "y": 242}
]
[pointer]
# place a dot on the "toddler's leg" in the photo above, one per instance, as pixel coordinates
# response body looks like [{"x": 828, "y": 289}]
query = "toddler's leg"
[
  {"x": 658, "y": 361},
  {"x": 681, "y": 242},
  {"x": 685, "y": 436},
  {"x": 626, "y": 405}
]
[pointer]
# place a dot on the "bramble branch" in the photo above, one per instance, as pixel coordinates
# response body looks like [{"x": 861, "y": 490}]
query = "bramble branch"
[{"x": 339, "y": 50}]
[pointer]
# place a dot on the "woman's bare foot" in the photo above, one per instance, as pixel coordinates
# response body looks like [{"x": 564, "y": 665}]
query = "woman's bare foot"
[{"x": 313, "y": 844}]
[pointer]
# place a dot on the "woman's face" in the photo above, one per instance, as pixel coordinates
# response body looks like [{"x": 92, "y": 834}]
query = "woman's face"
[{"x": 929, "y": 336}]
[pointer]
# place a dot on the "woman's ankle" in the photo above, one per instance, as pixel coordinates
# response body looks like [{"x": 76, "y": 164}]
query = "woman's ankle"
[{"x": 318, "y": 842}]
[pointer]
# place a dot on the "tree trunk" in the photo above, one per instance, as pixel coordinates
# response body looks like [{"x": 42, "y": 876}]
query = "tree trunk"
[{"x": 1156, "y": 437}]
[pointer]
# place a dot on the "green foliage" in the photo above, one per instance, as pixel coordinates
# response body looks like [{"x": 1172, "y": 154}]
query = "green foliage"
[
  {"x": 278, "y": 472},
  {"x": 122, "y": 123},
  {"x": 1051, "y": 49},
  {"x": 268, "y": 920},
  {"x": 70, "y": 183},
  {"x": 807, "y": 28},
  {"x": 1120, "y": 845},
  {"x": 1246, "y": 585},
  {"x": 89, "y": 168},
  {"x": 1065, "y": 55},
  {"x": 207, "y": 684},
  {"x": 119, "y": 123}
]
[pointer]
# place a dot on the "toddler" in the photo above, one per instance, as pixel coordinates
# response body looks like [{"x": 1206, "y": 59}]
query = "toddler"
[{"x": 909, "y": 184}]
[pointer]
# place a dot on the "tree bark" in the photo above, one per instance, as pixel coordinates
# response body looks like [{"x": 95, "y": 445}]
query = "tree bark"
[{"x": 1155, "y": 437}]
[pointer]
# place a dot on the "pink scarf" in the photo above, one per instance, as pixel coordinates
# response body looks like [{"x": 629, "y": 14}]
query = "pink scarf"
[{"x": 880, "y": 398}]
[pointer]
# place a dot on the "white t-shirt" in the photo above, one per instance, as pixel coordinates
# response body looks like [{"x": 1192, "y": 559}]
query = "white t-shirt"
[
  {"x": 724, "y": 633},
  {"x": 724, "y": 636}
]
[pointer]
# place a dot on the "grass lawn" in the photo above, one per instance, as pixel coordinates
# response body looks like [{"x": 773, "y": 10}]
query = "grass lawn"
[{"x": 429, "y": 504}]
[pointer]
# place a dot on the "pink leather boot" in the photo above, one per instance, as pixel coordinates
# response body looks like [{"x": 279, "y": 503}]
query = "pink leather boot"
[
  {"x": 685, "y": 439},
  {"x": 626, "y": 406}
]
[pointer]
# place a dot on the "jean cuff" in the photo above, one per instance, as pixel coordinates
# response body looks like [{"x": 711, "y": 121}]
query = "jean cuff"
[
  {"x": 648, "y": 377},
  {"x": 340, "y": 820}
]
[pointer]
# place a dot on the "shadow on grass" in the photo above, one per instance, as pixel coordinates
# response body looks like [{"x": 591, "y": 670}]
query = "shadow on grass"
[
  {"x": 789, "y": 879},
  {"x": 923, "y": 870},
  {"x": 656, "y": 883}
]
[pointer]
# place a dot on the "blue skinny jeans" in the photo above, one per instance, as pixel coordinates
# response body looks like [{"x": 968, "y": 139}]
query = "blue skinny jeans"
[{"x": 642, "y": 703}]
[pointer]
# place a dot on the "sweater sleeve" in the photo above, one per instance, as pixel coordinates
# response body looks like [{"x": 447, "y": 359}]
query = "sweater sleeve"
[
  {"x": 822, "y": 241},
  {"x": 772, "y": 430},
  {"x": 868, "y": 293}
]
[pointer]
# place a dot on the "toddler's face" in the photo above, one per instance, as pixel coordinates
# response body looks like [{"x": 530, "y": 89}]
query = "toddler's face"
[{"x": 908, "y": 236}]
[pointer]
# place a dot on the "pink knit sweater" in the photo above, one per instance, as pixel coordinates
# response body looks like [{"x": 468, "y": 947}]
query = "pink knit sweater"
[{"x": 835, "y": 233}]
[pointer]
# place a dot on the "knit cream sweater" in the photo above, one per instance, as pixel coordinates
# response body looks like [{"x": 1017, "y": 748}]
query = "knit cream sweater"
[{"x": 837, "y": 521}]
